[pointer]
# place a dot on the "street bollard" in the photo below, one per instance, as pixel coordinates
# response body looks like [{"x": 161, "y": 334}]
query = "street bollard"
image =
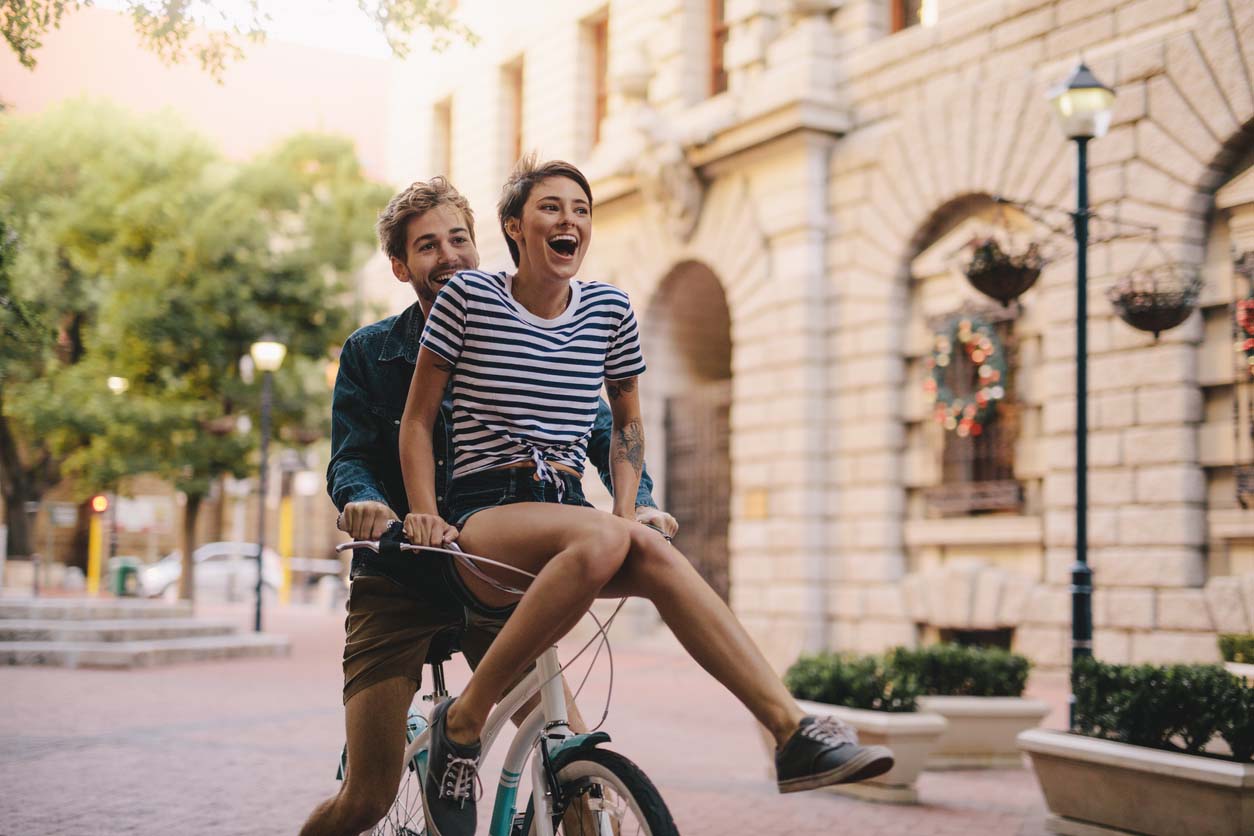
[{"x": 95, "y": 544}]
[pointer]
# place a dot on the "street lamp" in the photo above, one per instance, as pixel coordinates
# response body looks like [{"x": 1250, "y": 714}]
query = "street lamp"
[
  {"x": 1082, "y": 105},
  {"x": 267, "y": 354}
]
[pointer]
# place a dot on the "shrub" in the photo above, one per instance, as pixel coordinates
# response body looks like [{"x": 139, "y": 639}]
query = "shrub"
[
  {"x": 1237, "y": 647},
  {"x": 1174, "y": 707},
  {"x": 852, "y": 681},
  {"x": 952, "y": 670}
]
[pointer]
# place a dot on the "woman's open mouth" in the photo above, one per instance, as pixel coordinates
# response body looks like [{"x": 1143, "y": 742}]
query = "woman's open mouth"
[{"x": 564, "y": 245}]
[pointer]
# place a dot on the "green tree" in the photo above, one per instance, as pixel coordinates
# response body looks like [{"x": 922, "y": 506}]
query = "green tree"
[
  {"x": 178, "y": 29},
  {"x": 75, "y": 186},
  {"x": 214, "y": 257}
]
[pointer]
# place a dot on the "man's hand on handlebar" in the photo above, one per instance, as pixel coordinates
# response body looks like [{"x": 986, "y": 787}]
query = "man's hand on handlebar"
[
  {"x": 429, "y": 530},
  {"x": 365, "y": 520}
]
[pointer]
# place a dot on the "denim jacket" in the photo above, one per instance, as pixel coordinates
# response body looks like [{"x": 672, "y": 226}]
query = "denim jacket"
[{"x": 376, "y": 366}]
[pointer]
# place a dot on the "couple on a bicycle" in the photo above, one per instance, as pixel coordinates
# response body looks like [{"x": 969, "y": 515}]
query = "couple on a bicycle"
[{"x": 487, "y": 448}]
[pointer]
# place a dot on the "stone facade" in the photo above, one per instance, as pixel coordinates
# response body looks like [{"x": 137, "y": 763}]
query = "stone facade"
[{"x": 828, "y": 191}]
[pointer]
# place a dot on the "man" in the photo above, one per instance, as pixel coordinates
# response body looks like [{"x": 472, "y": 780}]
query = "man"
[{"x": 395, "y": 608}]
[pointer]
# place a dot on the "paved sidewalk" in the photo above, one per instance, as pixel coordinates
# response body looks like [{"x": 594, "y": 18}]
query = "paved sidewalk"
[{"x": 250, "y": 746}]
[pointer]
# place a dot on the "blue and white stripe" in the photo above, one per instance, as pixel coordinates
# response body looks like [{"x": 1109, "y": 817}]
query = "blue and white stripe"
[{"x": 526, "y": 387}]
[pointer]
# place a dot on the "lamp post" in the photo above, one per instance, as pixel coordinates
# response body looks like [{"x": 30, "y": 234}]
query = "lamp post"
[
  {"x": 1082, "y": 105},
  {"x": 267, "y": 354}
]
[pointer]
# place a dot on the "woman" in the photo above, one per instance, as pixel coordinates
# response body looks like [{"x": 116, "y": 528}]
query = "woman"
[{"x": 527, "y": 355}]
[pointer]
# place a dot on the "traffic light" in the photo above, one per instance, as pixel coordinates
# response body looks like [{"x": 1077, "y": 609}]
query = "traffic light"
[{"x": 100, "y": 503}]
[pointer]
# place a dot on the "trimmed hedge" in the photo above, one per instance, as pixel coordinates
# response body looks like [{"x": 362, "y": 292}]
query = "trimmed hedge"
[
  {"x": 953, "y": 670},
  {"x": 1237, "y": 647},
  {"x": 1175, "y": 707},
  {"x": 851, "y": 681}
]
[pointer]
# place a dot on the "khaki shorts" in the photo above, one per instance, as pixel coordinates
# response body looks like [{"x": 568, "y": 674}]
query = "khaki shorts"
[{"x": 389, "y": 629}]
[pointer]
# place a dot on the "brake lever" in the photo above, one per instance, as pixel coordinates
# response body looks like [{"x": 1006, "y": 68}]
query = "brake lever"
[{"x": 667, "y": 537}]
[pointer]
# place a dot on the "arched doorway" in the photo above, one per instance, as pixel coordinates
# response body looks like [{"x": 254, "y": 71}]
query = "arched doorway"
[{"x": 687, "y": 338}]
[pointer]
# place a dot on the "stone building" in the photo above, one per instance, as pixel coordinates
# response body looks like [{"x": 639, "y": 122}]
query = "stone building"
[{"x": 786, "y": 188}]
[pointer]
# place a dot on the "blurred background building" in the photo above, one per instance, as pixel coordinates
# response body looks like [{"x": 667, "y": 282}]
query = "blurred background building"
[
  {"x": 789, "y": 190},
  {"x": 786, "y": 188}
]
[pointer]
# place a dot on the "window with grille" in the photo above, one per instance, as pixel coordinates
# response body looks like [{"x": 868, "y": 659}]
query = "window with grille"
[
  {"x": 904, "y": 14},
  {"x": 442, "y": 138},
  {"x": 599, "y": 36},
  {"x": 718, "y": 47},
  {"x": 512, "y": 78}
]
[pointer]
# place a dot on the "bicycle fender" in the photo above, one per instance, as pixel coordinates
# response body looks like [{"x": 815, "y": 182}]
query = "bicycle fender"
[
  {"x": 564, "y": 750},
  {"x": 577, "y": 743}
]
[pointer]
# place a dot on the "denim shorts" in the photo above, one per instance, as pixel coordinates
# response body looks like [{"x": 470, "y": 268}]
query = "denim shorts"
[{"x": 490, "y": 488}]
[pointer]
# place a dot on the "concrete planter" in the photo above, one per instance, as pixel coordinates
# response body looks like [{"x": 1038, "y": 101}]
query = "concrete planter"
[
  {"x": 1240, "y": 669},
  {"x": 1098, "y": 786},
  {"x": 910, "y": 735},
  {"x": 981, "y": 731}
]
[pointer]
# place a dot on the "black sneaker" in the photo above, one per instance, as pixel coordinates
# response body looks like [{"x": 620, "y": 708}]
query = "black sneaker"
[
  {"x": 825, "y": 751},
  {"x": 448, "y": 794}
]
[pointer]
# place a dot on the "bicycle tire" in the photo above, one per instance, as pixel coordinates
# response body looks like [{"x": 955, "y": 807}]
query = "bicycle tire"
[{"x": 581, "y": 771}]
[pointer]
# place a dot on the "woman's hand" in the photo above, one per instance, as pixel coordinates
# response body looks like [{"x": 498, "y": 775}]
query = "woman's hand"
[
  {"x": 429, "y": 530},
  {"x": 659, "y": 519}
]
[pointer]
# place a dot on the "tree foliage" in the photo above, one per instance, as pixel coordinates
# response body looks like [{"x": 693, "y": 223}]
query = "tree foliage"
[
  {"x": 213, "y": 33},
  {"x": 136, "y": 251}
]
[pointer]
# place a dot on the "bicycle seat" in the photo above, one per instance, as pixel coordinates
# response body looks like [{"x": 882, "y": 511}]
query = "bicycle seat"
[{"x": 443, "y": 645}]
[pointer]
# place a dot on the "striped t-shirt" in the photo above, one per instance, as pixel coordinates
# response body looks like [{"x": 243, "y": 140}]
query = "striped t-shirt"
[{"x": 522, "y": 384}]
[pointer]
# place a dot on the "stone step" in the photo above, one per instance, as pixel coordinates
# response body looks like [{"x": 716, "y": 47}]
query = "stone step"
[
  {"x": 137, "y": 654},
  {"x": 112, "y": 630},
  {"x": 91, "y": 609}
]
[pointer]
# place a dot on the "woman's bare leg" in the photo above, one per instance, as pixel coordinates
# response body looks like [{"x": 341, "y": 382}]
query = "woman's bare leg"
[
  {"x": 572, "y": 550},
  {"x": 706, "y": 627}
]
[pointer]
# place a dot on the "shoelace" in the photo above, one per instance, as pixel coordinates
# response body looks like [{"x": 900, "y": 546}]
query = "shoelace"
[
  {"x": 461, "y": 776},
  {"x": 831, "y": 731}
]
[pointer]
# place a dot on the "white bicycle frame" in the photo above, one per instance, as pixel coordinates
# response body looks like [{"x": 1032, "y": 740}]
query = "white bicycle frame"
[{"x": 547, "y": 722}]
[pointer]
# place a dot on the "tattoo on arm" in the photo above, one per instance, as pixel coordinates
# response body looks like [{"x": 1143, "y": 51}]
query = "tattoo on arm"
[
  {"x": 445, "y": 366},
  {"x": 630, "y": 445},
  {"x": 614, "y": 388}
]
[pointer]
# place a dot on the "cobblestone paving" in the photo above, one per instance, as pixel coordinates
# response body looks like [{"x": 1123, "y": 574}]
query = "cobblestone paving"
[{"x": 250, "y": 746}]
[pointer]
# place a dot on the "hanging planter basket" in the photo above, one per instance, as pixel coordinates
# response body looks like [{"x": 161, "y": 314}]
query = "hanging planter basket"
[
  {"x": 220, "y": 426},
  {"x": 301, "y": 435},
  {"x": 1156, "y": 299},
  {"x": 1003, "y": 275}
]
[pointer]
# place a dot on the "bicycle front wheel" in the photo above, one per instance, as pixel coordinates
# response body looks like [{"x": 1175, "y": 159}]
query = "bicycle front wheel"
[
  {"x": 605, "y": 794},
  {"x": 405, "y": 818}
]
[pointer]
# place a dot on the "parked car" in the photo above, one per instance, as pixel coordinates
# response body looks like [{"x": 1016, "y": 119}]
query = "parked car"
[{"x": 228, "y": 570}]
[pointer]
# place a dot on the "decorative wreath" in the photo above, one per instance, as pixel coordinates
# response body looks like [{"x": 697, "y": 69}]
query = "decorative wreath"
[{"x": 978, "y": 339}]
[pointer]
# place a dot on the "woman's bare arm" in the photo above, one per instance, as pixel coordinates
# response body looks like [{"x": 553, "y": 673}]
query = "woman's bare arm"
[
  {"x": 426, "y": 390},
  {"x": 626, "y": 444}
]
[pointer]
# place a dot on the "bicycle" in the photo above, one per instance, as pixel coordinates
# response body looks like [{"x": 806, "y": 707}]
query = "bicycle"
[{"x": 578, "y": 788}]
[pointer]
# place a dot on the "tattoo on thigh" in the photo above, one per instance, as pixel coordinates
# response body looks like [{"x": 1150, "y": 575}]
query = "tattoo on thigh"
[
  {"x": 620, "y": 387},
  {"x": 629, "y": 445}
]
